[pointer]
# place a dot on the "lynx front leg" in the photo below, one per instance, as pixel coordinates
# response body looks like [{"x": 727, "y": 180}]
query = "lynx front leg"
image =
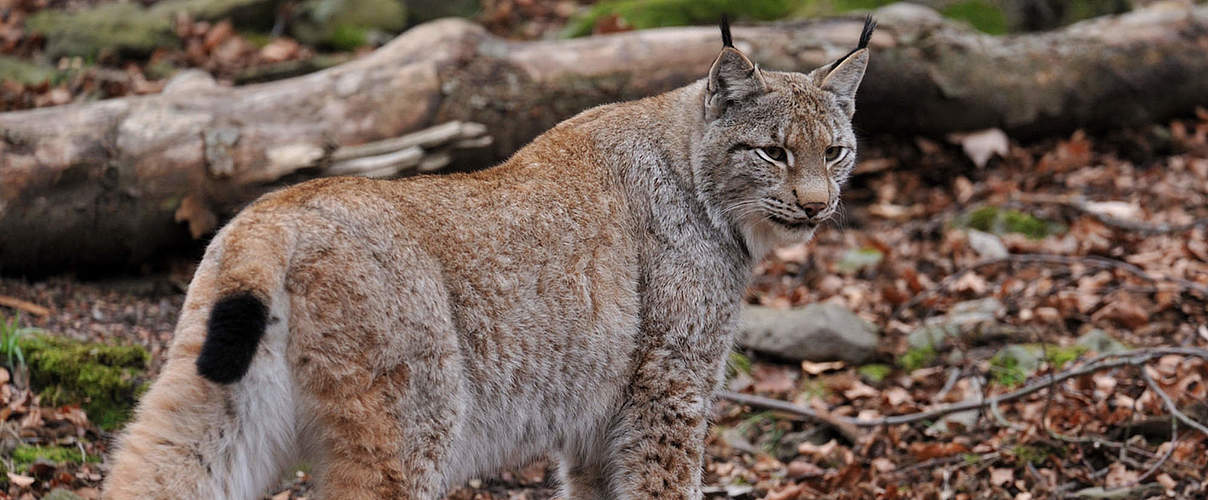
[
  {"x": 659, "y": 439},
  {"x": 583, "y": 479}
]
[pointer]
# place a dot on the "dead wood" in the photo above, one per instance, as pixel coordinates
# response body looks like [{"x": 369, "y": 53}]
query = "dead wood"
[{"x": 104, "y": 183}]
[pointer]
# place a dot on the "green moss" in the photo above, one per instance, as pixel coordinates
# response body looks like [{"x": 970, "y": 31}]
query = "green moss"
[
  {"x": 108, "y": 28},
  {"x": 103, "y": 379},
  {"x": 874, "y": 372},
  {"x": 346, "y": 37},
  {"x": 917, "y": 357},
  {"x": 997, "y": 220},
  {"x": 737, "y": 363},
  {"x": 348, "y": 24},
  {"x": 1013, "y": 364},
  {"x": 119, "y": 28},
  {"x": 1036, "y": 454},
  {"x": 1007, "y": 371},
  {"x": 982, "y": 14},
  {"x": 1058, "y": 356},
  {"x": 826, "y": 8},
  {"x": 256, "y": 38},
  {"x": 813, "y": 388},
  {"x": 644, "y": 14},
  {"x": 17, "y": 70},
  {"x": 24, "y": 456}
]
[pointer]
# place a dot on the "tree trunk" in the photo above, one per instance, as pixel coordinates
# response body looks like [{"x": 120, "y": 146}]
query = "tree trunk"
[{"x": 102, "y": 184}]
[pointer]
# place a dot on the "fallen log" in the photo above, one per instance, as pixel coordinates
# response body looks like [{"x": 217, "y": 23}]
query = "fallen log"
[{"x": 103, "y": 184}]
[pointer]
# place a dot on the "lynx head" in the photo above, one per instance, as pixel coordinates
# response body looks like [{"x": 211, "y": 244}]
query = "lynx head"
[{"x": 777, "y": 146}]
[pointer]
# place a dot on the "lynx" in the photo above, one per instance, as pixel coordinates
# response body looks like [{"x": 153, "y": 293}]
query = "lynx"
[{"x": 577, "y": 301}]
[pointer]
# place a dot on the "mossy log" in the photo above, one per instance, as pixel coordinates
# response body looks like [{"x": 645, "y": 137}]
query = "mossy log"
[{"x": 102, "y": 184}]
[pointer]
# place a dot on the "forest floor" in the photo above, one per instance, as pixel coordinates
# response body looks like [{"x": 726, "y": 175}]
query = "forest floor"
[{"x": 1081, "y": 254}]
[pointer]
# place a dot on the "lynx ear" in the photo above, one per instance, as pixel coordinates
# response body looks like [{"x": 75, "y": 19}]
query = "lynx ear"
[
  {"x": 843, "y": 76},
  {"x": 732, "y": 79}
]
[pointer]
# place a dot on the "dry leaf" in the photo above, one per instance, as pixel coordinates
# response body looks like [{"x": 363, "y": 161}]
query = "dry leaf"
[
  {"x": 19, "y": 480},
  {"x": 927, "y": 451},
  {"x": 1001, "y": 477},
  {"x": 982, "y": 145},
  {"x": 820, "y": 368},
  {"x": 1119, "y": 475}
]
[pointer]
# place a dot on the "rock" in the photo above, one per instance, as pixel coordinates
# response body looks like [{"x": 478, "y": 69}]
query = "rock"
[
  {"x": 987, "y": 245},
  {"x": 190, "y": 81},
  {"x": 964, "y": 317},
  {"x": 857, "y": 259},
  {"x": 1013, "y": 364},
  {"x": 817, "y": 332},
  {"x": 1099, "y": 341}
]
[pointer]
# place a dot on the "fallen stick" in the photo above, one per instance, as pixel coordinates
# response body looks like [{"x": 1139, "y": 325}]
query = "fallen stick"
[
  {"x": 23, "y": 305},
  {"x": 1136, "y": 357},
  {"x": 99, "y": 184}
]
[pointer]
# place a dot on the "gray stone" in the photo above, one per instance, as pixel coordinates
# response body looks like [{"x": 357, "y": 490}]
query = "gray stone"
[
  {"x": 817, "y": 332},
  {"x": 987, "y": 245},
  {"x": 964, "y": 317},
  {"x": 1099, "y": 341}
]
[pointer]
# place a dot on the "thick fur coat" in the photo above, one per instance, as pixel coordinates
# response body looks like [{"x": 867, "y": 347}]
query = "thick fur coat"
[{"x": 577, "y": 301}]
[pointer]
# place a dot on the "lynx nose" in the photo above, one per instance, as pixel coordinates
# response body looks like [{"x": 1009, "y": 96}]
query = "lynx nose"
[{"x": 812, "y": 209}]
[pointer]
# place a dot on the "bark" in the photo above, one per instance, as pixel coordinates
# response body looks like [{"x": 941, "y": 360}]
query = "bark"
[{"x": 103, "y": 183}]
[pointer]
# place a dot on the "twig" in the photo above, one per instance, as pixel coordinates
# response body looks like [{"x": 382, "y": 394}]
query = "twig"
[
  {"x": 1174, "y": 441},
  {"x": 1035, "y": 258},
  {"x": 23, "y": 305},
  {"x": 1135, "y": 357},
  {"x": 840, "y": 424},
  {"x": 1082, "y": 205},
  {"x": 1170, "y": 406}
]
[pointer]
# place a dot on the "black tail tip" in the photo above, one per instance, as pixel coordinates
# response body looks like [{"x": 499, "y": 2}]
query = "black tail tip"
[
  {"x": 232, "y": 335},
  {"x": 726, "y": 39}
]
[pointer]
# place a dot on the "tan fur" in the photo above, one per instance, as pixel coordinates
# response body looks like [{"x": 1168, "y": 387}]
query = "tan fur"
[{"x": 578, "y": 299}]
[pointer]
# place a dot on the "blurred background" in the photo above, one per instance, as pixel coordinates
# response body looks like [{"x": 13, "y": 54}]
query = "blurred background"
[
  {"x": 1028, "y": 219},
  {"x": 57, "y": 52}
]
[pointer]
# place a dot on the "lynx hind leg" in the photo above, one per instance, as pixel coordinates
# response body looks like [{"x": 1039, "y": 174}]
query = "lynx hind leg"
[
  {"x": 377, "y": 364},
  {"x": 193, "y": 438}
]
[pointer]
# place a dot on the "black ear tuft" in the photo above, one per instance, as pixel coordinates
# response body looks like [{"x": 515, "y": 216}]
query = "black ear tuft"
[
  {"x": 870, "y": 24},
  {"x": 726, "y": 39}
]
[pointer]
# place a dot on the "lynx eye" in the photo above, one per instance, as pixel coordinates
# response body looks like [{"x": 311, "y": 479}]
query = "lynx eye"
[
  {"x": 834, "y": 153},
  {"x": 773, "y": 154}
]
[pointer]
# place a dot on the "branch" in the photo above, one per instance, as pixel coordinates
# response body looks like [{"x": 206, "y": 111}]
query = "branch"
[
  {"x": 1064, "y": 260},
  {"x": 1080, "y": 204},
  {"x": 1170, "y": 406},
  {"x": 1136, "y": 357}
]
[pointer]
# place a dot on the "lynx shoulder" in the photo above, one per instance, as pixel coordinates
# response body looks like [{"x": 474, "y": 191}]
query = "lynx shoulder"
[{"x": 576, "y": 301}]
